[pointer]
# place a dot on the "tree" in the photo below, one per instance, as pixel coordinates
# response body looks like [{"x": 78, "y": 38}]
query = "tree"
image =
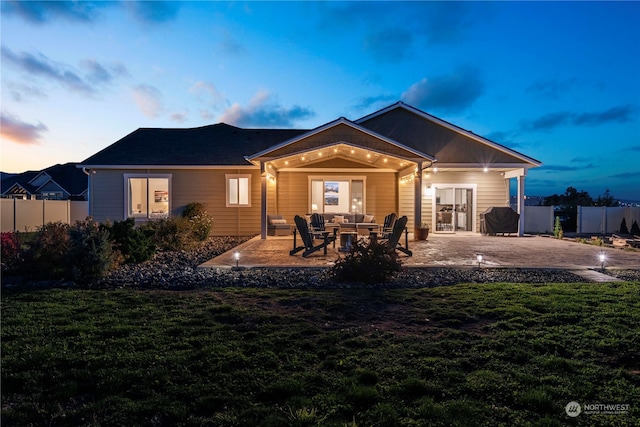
[{"x": 605, "y": 199}]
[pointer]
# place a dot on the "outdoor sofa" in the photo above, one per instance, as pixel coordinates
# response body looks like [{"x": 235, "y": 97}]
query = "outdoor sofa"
[
  {"x": 359, "y": 223},
  {"x": 277, "y": 226}
]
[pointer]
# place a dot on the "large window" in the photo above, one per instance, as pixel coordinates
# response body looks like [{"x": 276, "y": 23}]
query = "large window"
[
  {"x": 337, "y": 195},
  {"x": 238, "y": 190},
  {"x": 147, "y": 196}
]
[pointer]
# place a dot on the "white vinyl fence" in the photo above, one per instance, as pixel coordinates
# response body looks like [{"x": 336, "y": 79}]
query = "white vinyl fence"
[
  {"x": 605, "y": 220},
  {"x": 28, "y": 215},
  {"x": 538, "y": 219}
]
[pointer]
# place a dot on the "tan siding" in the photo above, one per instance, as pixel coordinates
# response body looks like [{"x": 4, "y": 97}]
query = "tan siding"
[
  {"x": 199, "y": 185},
  {"x": 491, "y": 190},
  {"x": 407, "y": 205}
]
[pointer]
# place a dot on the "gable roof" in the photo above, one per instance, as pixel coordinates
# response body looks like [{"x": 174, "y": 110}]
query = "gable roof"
[
  {"x": 337, "y": 132},
  {"x": 67, "y": 177},
  {"x": 449, "y": 143},
  {"x": 219, "y": 144}
]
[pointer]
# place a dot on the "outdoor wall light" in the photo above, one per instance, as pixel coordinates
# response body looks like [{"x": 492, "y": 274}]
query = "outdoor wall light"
[
  {"x": 435, "y": 170},
  {"x": 236, "y": 255},
  {"x": 479, "y": 258},
  {"x": 485, "y": 170}
]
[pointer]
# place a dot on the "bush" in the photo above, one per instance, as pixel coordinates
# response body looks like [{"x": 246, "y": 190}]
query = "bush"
[
  {"x": 557, "y": 229},
  {"x": 47, "y": 256},
  {"x": 92, "y": 253},
  {"x": 136, "y": 244},
  {"x": 623, "y": 227},
  {"x": 201, "y": 222},
  {"x": 171, "y": 234},
  {"x": 12, "y": 251},
  {"x": 635, "y": 230},
  {"x": 370, "y": 262}
]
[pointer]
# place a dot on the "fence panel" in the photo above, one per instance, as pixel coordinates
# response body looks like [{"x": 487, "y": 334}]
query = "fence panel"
[
  {"x": 28, "y": 215},
  {"x": 538, "y": 219},
  {"x": 605, "y": 220}
]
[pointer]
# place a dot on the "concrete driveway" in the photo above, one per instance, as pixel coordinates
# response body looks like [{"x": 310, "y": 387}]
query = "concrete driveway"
[{"x": 439, "y": 250}]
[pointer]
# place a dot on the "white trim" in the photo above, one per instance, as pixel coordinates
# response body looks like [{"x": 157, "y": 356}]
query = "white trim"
[
  {"x": 127, "y": 176},
  {"x": 451, "y": 127},
  {"x": 335, "y": 123},
  {"x": 230, "y": 176},
  {"x": 325, "y": 177},
  {"x": 337, "y": 170},
  {"x": 164, "y": 167},
  {"x": 435, "y": 186}
]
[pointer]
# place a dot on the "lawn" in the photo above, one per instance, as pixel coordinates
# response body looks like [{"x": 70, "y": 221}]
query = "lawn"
[{"x": 464, "y": 355}]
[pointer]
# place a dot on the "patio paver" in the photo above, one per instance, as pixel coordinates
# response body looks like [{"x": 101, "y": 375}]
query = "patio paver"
[{"x": 456, "y": 250}]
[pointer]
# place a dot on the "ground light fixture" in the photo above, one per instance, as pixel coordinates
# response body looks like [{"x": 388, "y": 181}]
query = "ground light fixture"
[
  {"x": 479, "y": 259},
  {"x": 236, "y": 256},
  {"x": 602, "y": 257}
]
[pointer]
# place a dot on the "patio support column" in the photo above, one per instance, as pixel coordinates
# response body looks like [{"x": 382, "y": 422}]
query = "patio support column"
[
  {"x": 263, "y": 201},
  {"x": 417, "y": 197},
  {"x": 521, "y": 205}
]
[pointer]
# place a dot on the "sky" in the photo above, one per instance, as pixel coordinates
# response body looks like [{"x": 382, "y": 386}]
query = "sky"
[{"x": 557, "y": 81}]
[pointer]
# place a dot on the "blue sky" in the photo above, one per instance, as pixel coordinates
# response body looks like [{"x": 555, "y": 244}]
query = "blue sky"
[{"x": 557, "y": 81}]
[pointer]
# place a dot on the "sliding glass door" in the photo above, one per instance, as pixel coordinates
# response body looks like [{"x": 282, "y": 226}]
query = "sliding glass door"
[{"x": 454, "y": 207}]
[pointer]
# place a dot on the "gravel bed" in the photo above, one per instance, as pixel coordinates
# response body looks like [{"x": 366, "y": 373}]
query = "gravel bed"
[{"x": 178, "y": 271}]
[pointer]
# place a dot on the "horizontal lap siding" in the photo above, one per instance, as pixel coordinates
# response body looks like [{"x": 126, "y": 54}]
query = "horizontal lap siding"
[
  {"x": 293, "y": 193},
  {"x": 205, "y": 186},
  {"x": 492, "y": 190}
]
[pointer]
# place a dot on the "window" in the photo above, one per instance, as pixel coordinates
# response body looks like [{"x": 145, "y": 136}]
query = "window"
[
  {"x": 147, "y": 196},
  {"x": 238, "y": 190},
  {"x": 337, "y": 195}
]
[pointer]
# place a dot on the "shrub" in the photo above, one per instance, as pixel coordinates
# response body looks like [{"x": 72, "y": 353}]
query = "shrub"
[
  {"x": 171, "y": 234},
  {"x": 47, "y": 256},
  {"x": 201, "y": 222},
  {"x": 12, "y": 251},
  {"x": 623, "y": 226},
  {"x": 136, "y": 244},
  {"x": 635, "y": 230},
  {"x": 370, "y": 262},
  {"x": 557, "y": 229},
  {"x": 92, "y": 254}
]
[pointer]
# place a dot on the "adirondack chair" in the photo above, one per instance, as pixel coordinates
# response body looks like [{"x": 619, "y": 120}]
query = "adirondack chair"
[
  {"x": 393, "y": 239},
  {"x": 308, "y": 238},
  {"x": 389, "y": 222}
]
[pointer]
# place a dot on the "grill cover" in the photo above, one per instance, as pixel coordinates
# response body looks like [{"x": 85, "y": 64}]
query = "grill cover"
[{"x": 499, "y": 220}]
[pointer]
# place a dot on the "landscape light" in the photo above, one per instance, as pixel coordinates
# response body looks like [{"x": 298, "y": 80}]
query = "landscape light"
[
  {"x": 603, "y": 258},
  {"x": 236, "y": 255},
  {"x": 479, "y": 259}
]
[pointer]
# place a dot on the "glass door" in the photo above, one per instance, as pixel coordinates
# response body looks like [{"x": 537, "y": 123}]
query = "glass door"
[{"x": 453, "y": 207}]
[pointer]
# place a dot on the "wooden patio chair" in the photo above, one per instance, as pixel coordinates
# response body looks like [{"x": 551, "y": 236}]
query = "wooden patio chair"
[
  {"x": 393, "y": 239},
  {"x": 389, "y": 222},
  {"x": 308, "y": 237}
]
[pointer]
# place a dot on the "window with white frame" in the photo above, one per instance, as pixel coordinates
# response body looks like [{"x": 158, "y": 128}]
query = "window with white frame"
[
  {"x": 147, "y": 196},
  {"x": 238, "y": 190}
]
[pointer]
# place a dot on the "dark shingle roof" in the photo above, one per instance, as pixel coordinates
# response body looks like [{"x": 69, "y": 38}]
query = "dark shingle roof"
[
  {"x": 67, "y": 176},
  {"x": 218, "y": 144}
]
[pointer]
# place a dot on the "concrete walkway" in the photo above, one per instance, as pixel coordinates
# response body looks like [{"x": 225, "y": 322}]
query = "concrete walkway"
[{"x": 447, "y": 250}]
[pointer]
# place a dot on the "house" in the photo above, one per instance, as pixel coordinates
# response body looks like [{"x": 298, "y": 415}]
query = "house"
[
  {"x": 398, "y": 159},
  {"x": 58, "y": 182}
]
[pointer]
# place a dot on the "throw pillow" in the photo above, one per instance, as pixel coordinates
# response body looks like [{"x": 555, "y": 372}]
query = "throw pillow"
[
  {"x": 368, "y": 219},
  {"x": 308, "y": 218},
  {"x": 278, "y": 221},
  {"x": 338, "y": 219}
]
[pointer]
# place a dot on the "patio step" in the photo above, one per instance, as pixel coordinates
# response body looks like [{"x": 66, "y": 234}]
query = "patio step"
[{"x": 595, "y": 276}]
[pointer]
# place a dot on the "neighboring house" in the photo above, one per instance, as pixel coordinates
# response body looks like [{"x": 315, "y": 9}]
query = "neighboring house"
[
  {"x": 398, "y": 159},
  {"x": 59, "y": 182}
]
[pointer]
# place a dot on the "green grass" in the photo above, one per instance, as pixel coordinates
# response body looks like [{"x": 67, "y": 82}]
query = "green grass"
[{"x": 466, "y": 355}]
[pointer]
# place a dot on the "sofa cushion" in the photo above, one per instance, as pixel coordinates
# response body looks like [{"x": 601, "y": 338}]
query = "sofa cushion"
[
  {"x": 278, "y": 221},
  {"x": 369, "y": 219},
  {"x": 338, "y": 219}
]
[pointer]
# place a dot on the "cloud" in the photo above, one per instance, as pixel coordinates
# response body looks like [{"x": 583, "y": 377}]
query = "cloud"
[
  {"x": 625, "y": 175},
  {"x": 632, "y": 148},
  {"x": 581, "y": 160},
  {"x": 389, "y": 44},
  {"x": 178, "y": 117},
  {"x": 208, "y": 93},
  {"x": 14, "y": 129},
  {"x": 548, "y": 122},
  {"x": 551, "y": 88},
  {"x": 263, "y": 111},
  {"x": 452, "y": 92},
  {"x": 42, "y": 12},
  {"x": 618, "y": 114},
  {"x": 445, "y": 22},
  {"x": 229, "y": 45},
  {"x": 153, "y": 12},
  {"x": 368, "y": 102},
  {"x": 41, "y": 66},
  {"x": 21, "y": 92},
  {"x": 564, "y": 168},
  {"x": 148, "y": 99}
]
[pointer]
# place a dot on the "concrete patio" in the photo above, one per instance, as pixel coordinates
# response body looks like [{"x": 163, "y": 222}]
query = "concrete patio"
[{"x": 445, "y": 250}]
